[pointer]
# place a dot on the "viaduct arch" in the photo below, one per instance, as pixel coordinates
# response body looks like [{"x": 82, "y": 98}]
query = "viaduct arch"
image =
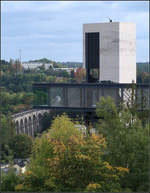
[{"x": 29, "y": 122}]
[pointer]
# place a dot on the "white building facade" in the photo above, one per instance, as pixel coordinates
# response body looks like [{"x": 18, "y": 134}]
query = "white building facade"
[{"x": 109, "y": 52}]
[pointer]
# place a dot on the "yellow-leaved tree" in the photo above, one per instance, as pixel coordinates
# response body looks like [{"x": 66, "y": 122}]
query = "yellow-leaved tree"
[{"x": 64, "y": 159}]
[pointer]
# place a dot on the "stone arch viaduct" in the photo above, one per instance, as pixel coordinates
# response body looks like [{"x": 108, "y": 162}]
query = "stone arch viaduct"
[{"x": 29, "y": 122}]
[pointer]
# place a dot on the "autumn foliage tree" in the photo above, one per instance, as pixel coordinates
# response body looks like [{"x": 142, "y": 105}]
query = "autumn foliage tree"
[
  {"x": 16, "y": 66},
  {"x": 80, "y": 75},
  {"x": 64, "y": 160}
]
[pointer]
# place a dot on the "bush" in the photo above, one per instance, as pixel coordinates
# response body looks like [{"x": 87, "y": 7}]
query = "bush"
[
  {"x": 21, "y": 146},
  {"x": 9, "y": 181}
]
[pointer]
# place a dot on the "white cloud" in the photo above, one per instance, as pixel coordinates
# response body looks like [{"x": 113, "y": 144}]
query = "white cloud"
[
  {"x": 65, "y": 44},
  {"x": 30, "y": 36},
  {"x": 56, "y": 26},
  {"x": 35, "y": 6}
]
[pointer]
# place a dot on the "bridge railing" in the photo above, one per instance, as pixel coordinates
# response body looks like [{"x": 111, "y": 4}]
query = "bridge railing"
[{"x": 24, "y": 113}]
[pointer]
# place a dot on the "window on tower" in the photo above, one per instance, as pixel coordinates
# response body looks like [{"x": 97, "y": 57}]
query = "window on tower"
[{"x": 92, "y": 56}]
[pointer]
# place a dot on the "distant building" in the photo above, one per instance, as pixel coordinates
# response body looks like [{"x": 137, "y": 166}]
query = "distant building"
[
  {"x": 81, "y": 128},
  {"x": 33, "y": 65}
]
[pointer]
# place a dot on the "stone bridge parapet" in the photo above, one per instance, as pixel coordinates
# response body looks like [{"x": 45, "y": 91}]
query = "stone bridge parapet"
[{"x": 29, "y": 122}]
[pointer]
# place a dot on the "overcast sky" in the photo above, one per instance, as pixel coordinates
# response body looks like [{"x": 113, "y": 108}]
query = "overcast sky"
[{"x": 53, "y": 29}]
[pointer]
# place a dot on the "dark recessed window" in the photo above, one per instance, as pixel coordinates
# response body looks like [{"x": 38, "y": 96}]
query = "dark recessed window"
[{"x": 92, "y": 56}]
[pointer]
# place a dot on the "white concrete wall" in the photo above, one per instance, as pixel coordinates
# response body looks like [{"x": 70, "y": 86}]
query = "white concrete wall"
[
  {"x": 127, "y": 52},
  {"x": 117, "y": 50}
]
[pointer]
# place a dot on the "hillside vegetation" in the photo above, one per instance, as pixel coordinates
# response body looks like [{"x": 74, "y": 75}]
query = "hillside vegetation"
[{"x": 62, "y": 158}]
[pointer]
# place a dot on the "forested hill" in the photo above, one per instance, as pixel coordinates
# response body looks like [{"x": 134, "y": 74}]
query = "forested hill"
[
  {"x": 142, "y": 66},
  {"x": 72, "y": 64},
  {"x": 58, "y": 64}
]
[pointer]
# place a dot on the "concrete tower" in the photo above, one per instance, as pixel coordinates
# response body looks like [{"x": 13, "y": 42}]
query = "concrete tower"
[{"x": 109, "y": 52}]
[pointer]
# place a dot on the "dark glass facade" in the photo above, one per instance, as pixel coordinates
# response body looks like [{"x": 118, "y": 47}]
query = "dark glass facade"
[
  {"x": 92, "y": 56},
  {"x": 86, "y": 95}
]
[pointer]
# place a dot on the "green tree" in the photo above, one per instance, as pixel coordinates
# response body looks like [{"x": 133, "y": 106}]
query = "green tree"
[
  {"x": 9, "y": 181},
  {"x": 21, "y": 146},
  {"x": 51, "y": 78},
  {"x": 28, "y": 98},
  {"x": 46, "y": 121},
  {"x": 7, "y": 132},
  {"x": 40, "y": 96},
  {"x": 127, "y": 142},
  {"x": 66, "y": 160}
]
